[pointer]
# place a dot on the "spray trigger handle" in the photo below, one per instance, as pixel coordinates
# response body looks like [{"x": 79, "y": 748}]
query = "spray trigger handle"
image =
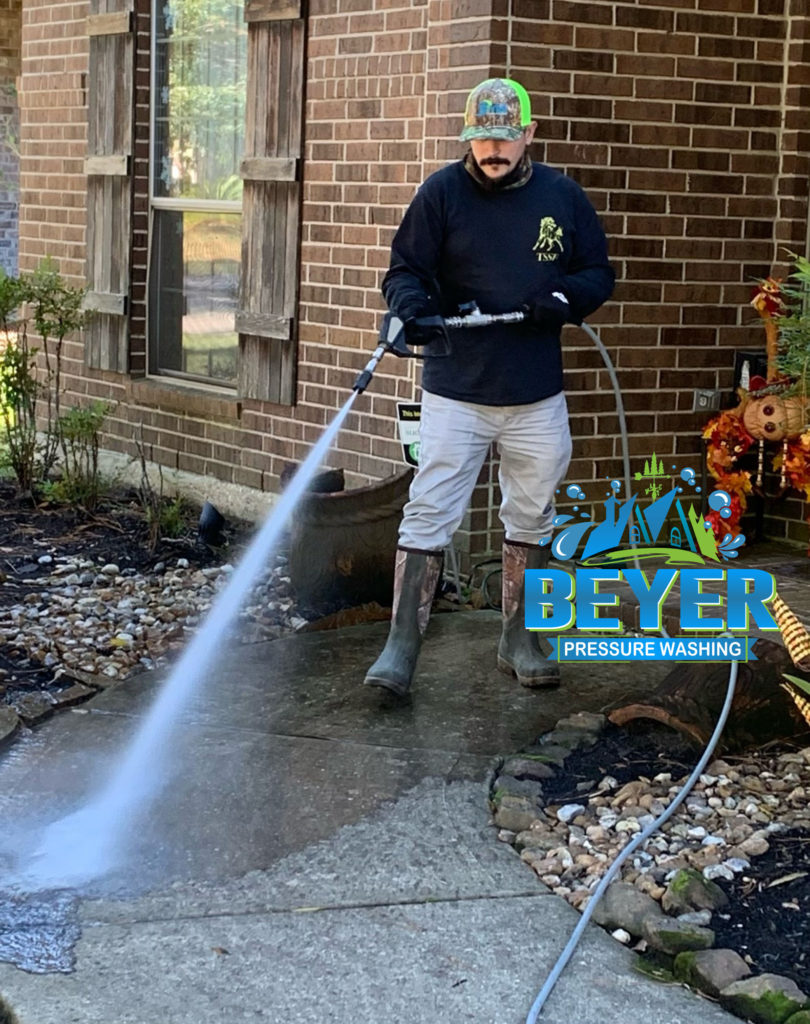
[{"x": 393, "y": 335}]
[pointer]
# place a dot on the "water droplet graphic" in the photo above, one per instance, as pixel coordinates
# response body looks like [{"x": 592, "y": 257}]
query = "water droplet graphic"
[
  {"x": 566, "y": 543},
  {"x": 575, "y": 491},
  {"x": 720, "y": 501},
  {"x": 688, "y": 475},
  {"x": 616, "y": 485}
]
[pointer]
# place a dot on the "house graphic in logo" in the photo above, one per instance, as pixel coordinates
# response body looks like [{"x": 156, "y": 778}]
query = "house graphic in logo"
[{"x": 662, "y": 529}]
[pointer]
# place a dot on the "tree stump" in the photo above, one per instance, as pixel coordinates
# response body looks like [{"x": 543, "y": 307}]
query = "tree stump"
[{"x": 763, "y": 710}]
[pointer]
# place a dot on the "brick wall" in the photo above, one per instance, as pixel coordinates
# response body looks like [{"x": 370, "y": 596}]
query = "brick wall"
[
  {"x": 10, "y": 19},
  {"x": 669, "y": 115},
  {"x": 683, "y": 119}
]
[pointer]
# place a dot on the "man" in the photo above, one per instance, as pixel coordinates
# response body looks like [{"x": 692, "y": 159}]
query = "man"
[{"x": 509, "y": 234}]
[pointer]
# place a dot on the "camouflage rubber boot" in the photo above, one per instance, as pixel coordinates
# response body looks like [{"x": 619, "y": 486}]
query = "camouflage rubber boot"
[
  {"x": 519, "y": 651},
  {"x": 416, "y": 575}
]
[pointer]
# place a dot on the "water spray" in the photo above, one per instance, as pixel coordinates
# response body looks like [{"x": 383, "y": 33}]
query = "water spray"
[{"x": 86, "y": 844}]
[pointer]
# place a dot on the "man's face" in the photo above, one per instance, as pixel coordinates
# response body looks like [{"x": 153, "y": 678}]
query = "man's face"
[{"x": 496, "y": 157}]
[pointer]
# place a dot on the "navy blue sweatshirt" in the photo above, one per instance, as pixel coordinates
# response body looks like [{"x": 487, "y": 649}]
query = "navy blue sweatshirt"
[{"x": 459, "y": 242}]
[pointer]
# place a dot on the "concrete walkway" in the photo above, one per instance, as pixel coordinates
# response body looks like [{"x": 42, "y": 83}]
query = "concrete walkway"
[{"x": 315, "y": 856}]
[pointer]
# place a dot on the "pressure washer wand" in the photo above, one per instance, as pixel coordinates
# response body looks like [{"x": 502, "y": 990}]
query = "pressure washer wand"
[
  {"x": 365, "y": 375},
  {"x": 392, "y": 336},
  {"x": 473, "y": 317}
]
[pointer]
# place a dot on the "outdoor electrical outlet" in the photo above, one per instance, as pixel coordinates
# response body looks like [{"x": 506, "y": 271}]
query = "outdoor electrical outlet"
[{"x": 706, "y": 400}]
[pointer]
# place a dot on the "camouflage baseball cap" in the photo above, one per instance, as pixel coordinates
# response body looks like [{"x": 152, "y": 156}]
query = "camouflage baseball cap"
[{"x": 498, "y": 108}]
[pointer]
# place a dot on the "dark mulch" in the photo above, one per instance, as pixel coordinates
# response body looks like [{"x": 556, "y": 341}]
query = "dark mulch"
[
  {"x": 768, "y": 917},
  {"x": 637, "y": 750},
  {"x": 117, "y": 531}
]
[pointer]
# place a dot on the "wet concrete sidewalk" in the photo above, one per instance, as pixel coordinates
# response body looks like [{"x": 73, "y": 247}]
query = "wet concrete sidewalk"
[{"x": 315, "y": 857}]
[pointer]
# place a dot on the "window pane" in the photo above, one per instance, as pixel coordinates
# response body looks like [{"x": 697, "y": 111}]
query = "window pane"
[
  {"x": 199, "y": 99},
  {"x": 194, "y": 288}
]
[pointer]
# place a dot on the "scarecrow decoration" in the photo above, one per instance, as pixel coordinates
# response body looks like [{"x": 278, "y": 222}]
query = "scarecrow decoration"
[{"x": 772, "y": 410}]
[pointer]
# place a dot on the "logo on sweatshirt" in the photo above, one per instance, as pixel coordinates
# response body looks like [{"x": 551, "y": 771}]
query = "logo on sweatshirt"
[{"x": 549, "y": 242}]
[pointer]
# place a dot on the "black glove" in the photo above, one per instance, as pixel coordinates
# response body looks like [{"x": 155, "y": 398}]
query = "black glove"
[
  {"x": 420, "y": 330},
  {"x": 415, "y": 306},
  {"x": 549, "y": 310},
  {"x": 420, "y": 317}
]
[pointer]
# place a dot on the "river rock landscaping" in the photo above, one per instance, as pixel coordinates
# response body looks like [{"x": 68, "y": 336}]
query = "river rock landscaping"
[
  {"x": 718, "y": 898},
  {"x": 84, "y": 601}
]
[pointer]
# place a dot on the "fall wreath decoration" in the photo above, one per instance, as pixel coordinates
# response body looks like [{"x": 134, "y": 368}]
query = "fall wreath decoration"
[{"x": 775, "y": 409}]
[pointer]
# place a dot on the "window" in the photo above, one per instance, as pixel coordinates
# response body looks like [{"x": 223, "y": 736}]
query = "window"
[{"x": 198, "y": 118}]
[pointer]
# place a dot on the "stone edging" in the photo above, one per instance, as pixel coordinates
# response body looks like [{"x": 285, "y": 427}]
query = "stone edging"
[{"x": 671, "y": 916}]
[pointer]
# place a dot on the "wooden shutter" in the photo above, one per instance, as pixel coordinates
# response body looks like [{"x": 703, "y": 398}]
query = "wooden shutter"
[
  {"x": 266, "y": 318},
  {"x": 109, "y": 183}
]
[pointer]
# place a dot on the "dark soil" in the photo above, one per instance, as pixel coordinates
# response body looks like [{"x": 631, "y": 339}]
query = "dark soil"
[
  {"x": 635, "y": 751},
  {"x": 768, "y": 917},
  {"x": 117, "y": 531},
  {"x": 767, "y": 920}
]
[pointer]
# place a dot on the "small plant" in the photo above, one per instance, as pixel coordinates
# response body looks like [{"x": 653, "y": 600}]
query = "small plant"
[
  {"x": 79, "y": 431},
  {"x": 55, "y": 309},
  {"x": 165, "y": 517},
  {"x": 56, "y": 312},
  {"x": 19, "y": 386},
  {"x": 172, "y": 516},
  {"x": 794, "y": 327}
]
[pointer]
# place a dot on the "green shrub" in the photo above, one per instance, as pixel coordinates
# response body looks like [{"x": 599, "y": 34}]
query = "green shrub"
[
  {"x": 26, "y": 385},
  {"x": 19, "y": 386},
  {"x": 79, "y": 431}
]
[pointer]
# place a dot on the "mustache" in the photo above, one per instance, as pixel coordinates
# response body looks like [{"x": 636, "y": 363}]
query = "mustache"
[{"x": 493, "y": 161}]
